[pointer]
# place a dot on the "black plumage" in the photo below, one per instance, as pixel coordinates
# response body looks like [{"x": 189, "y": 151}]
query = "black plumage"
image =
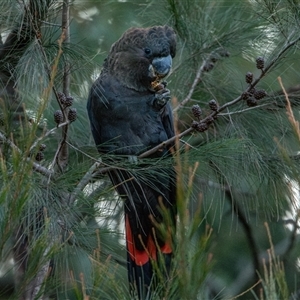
[{"x": 129, "y": 112}]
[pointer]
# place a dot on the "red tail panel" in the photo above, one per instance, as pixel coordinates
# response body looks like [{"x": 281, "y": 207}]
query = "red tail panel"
[
  {"x": 166, "y": 249},
  {"x": 142, "y": 257}
]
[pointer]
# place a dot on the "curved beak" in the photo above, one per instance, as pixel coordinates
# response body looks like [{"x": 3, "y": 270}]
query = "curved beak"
[{"x": 162, "y": 65}]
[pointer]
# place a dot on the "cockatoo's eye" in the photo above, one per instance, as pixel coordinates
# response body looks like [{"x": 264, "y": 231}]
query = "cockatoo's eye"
[{"x": 147, "y": 51}]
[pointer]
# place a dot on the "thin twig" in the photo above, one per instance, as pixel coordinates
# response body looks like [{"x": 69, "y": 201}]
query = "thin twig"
[
  {"x": 248, "y": 290},
  {"x": 242, "y": 218},
  {"x": 63, "y": 153},
  {"x": 248, "y": 232},
  {"x": 66, "y": 30},
  {"x": 165, "y": 143},
  {"x": 192, "y": 89},
  {"x": 37, "y": 167},
  {"x": 51, "y": 24},
  {"x": 187, "y": 144},
  {"x": 48, "y": 71},
  {"x": 83, "y": 182},
  {"x": 47, "y": 133},
  {"x": 244, "y": 110},
  {"x": 206, "y": 66},
  {"x": 51, "y": 75},
  {"x": 93, "y": 173},
  {"x": 7, "y": 141},
  {"x": 84, "y": 153},
  {"x": 39, "y": 280},
  {"x": 40, "y": 169}
]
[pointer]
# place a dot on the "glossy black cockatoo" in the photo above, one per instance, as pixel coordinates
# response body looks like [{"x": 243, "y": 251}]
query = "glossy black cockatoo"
[{"x": 129, "y": 113}]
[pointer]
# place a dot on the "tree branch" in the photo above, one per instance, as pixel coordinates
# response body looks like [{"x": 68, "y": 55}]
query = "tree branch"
[
  {"x": 213, "y": 114},
  {"x": 192, "y": 89},
  {"x": 98, "y": 169},
  {"x": 83, "y": 182},
  {"x": 47, "y": 133},
  {"x": 63, "y": 153},
  {"x": 292, "y": 239},
  {"x": 242, "y": 218},
  {"x": 244, "y": 110},
  {"x": 206, "y": 66},
  {"x": 37, "y": 167}
]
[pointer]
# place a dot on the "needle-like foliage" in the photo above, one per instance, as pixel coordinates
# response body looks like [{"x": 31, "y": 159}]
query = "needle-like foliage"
[{"x": 236, "y": 156}]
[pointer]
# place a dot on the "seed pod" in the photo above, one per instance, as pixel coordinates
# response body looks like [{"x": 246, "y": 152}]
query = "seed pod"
[
  {"x": 260, "y": 63},
  {"x": 61, "y": 97},
  {"x": 196, "y": 110},
  {"x": 42, "y": 147},
  {"x": 251, "y": 102},
  {"x": 202, "y": 127},
  {"x": 69, "y": 101},
  {"x": 194, "y": 124},
  {"x": 157, "y": 86},
  {"x": 259, "y": 94},
  {"x": 252, "y": 91},
  {"x": 39, "y": 156},
  {"x": 214, "y": 59},
  {"x": 72, "y": 114},
  {"x": 245, "y": 96},
  {"x": 58, "y": 116},
  {"x": 213, "y": 105},
  {"x": 249, "y": 77},
  {"x": 208, "y": 66},
  {"x": 209, "y": 120}
]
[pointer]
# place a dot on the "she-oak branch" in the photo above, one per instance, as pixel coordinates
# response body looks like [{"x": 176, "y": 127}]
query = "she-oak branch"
[
  {"x": 221, "y": 108},
  {"x": 44, "y": 171}
]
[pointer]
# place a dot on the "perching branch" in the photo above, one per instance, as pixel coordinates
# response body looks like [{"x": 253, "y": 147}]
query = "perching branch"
[
  {"x": 212, "y": 115},
  {"x": 99, "y": 168}
]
